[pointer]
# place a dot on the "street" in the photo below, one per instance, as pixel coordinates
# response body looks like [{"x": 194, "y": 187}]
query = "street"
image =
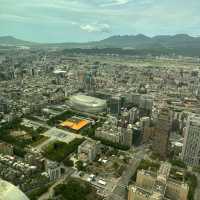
[
  {"x": 49, "y": 193},
  {"x": 119, "y": 193}
]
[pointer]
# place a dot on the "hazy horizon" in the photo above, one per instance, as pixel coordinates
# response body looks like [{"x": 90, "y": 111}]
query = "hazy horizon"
[
  {"x": 54, "y": 21},
  {"x": 1, "y": 36}
]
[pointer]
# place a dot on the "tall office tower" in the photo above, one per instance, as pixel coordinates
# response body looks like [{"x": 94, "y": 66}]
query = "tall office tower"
[
  {"x": 89, "y": 82},
  {"x": 115, "y": 105},
  {"x": 162, "y": 133},
  {"x": 32, "y": 72},
  {"x": 127, "y": 136},
  {"x": 146, "y": 103},
  {"x": 123, "y": 119},
  {"x": 191, "y": 146}
]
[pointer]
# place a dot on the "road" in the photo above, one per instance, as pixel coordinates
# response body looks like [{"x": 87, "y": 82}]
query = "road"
[
  {"x": 120, "y": 191},
  {"x": 43, "y": 124},
  {"x": 50, "y": 192}
]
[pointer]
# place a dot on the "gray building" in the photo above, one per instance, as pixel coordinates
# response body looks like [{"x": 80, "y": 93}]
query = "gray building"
[
  {"x": 53, "y": 169},
  {"x": 88, "y": 150},
  {"x": 191, "y": 146},
  {"x": 146, "y": 102}
]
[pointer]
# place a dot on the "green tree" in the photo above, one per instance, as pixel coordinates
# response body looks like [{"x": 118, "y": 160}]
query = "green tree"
[{"x": 79, "y": 165}]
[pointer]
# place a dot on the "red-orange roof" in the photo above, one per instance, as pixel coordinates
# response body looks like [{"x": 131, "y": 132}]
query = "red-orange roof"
[{"x": 75, "y": 125}]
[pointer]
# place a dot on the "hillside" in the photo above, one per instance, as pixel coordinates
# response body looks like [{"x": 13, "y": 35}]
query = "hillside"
[
  {"x": 12, "y": 41},
  {"x": 180, "y": 44}
]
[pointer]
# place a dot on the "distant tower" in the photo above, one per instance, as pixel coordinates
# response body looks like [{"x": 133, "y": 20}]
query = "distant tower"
[
  {"x": 89, "y": 83},
  {"x": 33, "y": 72}
]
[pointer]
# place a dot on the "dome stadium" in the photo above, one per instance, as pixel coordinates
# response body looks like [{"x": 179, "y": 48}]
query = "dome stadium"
[
  {"x": 87, "y": 103},
  {"x": 10, "y": 192}
]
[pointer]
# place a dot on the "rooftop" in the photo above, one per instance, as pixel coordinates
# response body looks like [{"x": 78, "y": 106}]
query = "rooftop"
[
  {"x": 75, "y": 123},
  {"x": 10, "y": 192}
]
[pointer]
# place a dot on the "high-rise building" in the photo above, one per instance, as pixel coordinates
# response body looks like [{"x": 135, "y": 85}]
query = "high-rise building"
[
  {"x": 161, "y": 134},
  {"x": 191, "y": 146},
  {"x": 115, "y": 105},
  {"x": 146, "y": 103}
]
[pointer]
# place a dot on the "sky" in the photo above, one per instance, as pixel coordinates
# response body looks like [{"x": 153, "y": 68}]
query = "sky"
[{"x": 91, "y": 20}]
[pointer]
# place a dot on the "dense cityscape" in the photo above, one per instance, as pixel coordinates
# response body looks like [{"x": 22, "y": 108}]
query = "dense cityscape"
[
  {"x": 99, "y": 100},
  {"x": 80, "y": 126}
]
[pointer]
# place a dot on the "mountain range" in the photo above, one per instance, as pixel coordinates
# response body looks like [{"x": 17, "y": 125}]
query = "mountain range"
[{"x": 178, "y": 43}]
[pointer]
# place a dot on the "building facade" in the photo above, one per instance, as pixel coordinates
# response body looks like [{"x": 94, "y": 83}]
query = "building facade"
[
  {"x": 161, "y": 134},
  {"x": 152, "y": 186},
  {"x": 88, "y": 150},
  {"x": 5, "y": 148},
  {"x": 110, "y": 131},
  {"x": 191, "y": 146}
]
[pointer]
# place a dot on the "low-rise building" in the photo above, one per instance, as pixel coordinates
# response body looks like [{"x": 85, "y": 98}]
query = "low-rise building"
[
  {"x": 5, "y": 148},
  {"x": 110, "y": 131},
  {"x": 88, "y": 150},
  {"x": 53, "y": 169},
  {"x": 152, "y": 186}
]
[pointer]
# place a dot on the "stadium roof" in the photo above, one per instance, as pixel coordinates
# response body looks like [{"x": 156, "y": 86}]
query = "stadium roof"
[{"x": 10, "y": 192}]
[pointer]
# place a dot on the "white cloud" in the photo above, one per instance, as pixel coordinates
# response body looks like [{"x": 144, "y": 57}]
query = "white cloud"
[
  {"x": 109, "y": 3},
  {"x": 102, "y": 28}
]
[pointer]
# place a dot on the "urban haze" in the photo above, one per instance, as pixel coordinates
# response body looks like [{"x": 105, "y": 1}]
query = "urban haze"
[{"x": 99, "y": 100}]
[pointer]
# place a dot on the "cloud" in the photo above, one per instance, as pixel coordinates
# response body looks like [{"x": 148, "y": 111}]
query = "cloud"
[
  {"x": 74, "y": 20},
  {"x": 109, "y": 3},
  {"x": 102, "y": 28}
]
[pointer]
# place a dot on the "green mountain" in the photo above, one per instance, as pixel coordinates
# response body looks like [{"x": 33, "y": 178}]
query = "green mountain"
[
  {"x": 12, "y": 41},
  {"x": 180, "y": 44},
  {"x": 143, "y": 42}
]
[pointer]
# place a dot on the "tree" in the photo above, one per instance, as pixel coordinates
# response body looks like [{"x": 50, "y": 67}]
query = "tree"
[
  {"x": 73, "y": 190},
  {"x": 69, "y": 163},
  {"x": 178, "y": 163},
  {"x": 115, "y": 165},
  {"x": 79, "y": 165}
]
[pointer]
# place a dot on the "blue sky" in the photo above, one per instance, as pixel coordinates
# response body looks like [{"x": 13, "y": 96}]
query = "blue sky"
[{"x": 89, "y": 20}]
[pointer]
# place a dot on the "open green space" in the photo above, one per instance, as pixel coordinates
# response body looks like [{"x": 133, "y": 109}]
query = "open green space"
[
  {"x": 178, "y": 163},
  {"x": 76, "y": 190},
  {"x": 35, "y": 194},
  {"x": 40, "y": 139},
  {"x": 58, "y": 151},
  {"x": 20, "y": 143},
  {"x": 58, "y": 118}
]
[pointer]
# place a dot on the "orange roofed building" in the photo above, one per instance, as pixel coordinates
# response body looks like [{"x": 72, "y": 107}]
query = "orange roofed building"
[{"x": 75, "y": 123}]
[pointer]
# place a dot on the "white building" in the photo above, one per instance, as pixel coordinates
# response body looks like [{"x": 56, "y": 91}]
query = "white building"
[
  {"x": 115, "y": 134},
  {"x": 88, "y": 150},
  {"x": 53, "y": 169}
]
